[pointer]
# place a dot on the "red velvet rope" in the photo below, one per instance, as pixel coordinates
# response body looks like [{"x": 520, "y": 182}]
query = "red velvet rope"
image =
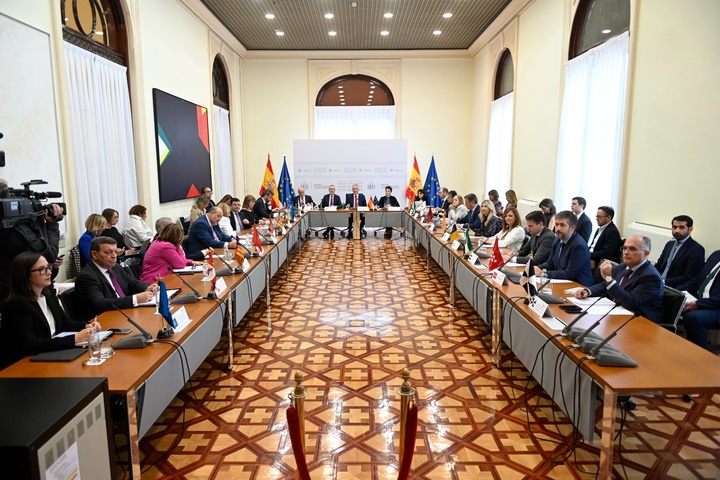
[
  {"x": 410, "y": 436},
  {"x": 296, "y": 441}
]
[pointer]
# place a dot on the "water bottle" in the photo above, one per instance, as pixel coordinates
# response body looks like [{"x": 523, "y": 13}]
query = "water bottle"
[
  {"x": 226, "y": 253},
  {"x": 545, "y": 283},
  {"x": 94, "y": 347}
]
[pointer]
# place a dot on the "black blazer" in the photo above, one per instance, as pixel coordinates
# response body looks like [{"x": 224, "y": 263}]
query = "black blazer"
[
  {"x": 261, "y": 211},
  {"x": 643, "y": 292},
  {"x": 325, "y": 202},
  {"x": 25, "y": 330},
  {"x": 540, "y": 245},
  {"x": 713, "y": 301},
  {"x": 98, "y": 295},
  {"x": 308, "y": 201},
  {"x": 584, "y": 227},
  {"x": 384, "y": 202},
  {"x": 234, "y": 223},
  {"x": 686, "y": 265},
  {"x": 607, "y": 245},
  {"x": 350, "y": 201}
]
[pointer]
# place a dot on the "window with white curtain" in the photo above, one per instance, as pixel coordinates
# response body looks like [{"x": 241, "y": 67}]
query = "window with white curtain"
[
  {"x": 224, "y": 177},
  {"x": 335, "y": 123},
  {"x": 500, "y": 138}
]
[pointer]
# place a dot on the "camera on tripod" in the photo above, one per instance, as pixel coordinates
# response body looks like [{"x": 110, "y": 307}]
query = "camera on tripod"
[{"x": 25, "y": 205}]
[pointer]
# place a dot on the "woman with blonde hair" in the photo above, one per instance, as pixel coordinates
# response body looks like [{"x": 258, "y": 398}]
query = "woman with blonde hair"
[
  {"x": 224, "y": 223},
  {"x": 489, "y": 223},
  {"x": 94, "y": 226},
  {"x": 512, "y": 199},
  {"x": 198, "y": 208}
]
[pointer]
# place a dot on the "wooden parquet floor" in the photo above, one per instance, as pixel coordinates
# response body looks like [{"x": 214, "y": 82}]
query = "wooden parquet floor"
[{"x": 351, "y": 316}]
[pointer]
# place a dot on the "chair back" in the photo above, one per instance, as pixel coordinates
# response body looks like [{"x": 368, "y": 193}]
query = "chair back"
[
  {"x": 297, "y": 444},
  {"x": 185, "y": 224},
  {"x": 73, "y": 265},
  {"x": 132, "y": 266},
  {"x": 409, "y": 446},
  {"x": 69, "y": 299},
  {"x": 673, "y": 304}
]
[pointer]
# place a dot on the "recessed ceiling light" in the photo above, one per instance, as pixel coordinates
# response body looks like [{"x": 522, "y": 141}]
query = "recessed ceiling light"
[
  {"x": 341, "y": 90},
  {"x": 372, "y": 86},
  {"x": 279, "y": 33},
  {"x": 384, "y": 33},
  {"x": 342, "y": 103},
  {"x": 388, "y": 15},
  {"x": 269, "y": 16},
  {"x": 606, "y": 31},
  {"x": 332, "y": 33},
  {"x": 437, "y": 32},
  {"x": 447, "y": 15},
  {"x": 368, "y": 103},
  {"x": 329, "y": 16},
  {"x": 99, "y": 32}
]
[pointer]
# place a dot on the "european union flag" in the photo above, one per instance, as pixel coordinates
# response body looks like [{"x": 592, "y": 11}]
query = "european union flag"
[
  {"x": 285, "y": 188},
  {"x": 432, "y": 186}
]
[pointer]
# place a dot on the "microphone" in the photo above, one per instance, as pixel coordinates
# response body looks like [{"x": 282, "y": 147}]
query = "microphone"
[
  {"x": 578, "y": 335},
  {"x": 188, "y": 297},
  {"x": 248, "y": 253},
  {"x": 268, "y": 240},
  {"x": 140, "y": 340},
  {"x": 568, "y": 327},
  {"x": 225, "y": 271},
  {"x": 479, "y": 255},
  {"x": 549, "y": 297},
  {"x": 592, "y": 346}
]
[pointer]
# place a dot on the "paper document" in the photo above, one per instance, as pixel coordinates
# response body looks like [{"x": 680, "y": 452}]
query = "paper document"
[
  {"x": 602, "y": 307},
  {"x": 103, "y": 335},
  {"x": 553, "y": 323},
  {"x": 188, "y": 269}
]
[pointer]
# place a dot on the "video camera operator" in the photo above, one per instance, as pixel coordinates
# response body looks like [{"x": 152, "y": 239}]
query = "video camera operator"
[{"x": 27, "y": 225}]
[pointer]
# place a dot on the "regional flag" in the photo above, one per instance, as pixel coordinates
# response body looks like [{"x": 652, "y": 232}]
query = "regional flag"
[
  {"x": 429, "y": 215},
  {"x": 467, "y": 240},
  {"x": 454, "y": 233},
  {"x": 285, "y": 188},
  {"x": 496, "y": 260},
  {"x": 270, "y": 183},
  {"x": 414, "y": 183},
  {"x": 528, "y": 279},
  {"x": 256, "y": 239},
  {"x": 164, "y": 305},
  {"x": 432, "y": 186}
]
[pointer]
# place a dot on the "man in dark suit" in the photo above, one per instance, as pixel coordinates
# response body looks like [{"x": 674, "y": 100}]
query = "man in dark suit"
[
  {"x": 584, "y": 225},
  {"x": 704, "y": 313},
  {"x": 682, "y": 259},
  {"x": 235, "y": 217},
  {"x": 330, "y": 200},
  {"x": 605, "y": 243},
  {"x": 102, "y": 285},
  {"x": 388, "y": 201},
  {"x": 634, "y": 284},
  {"x": 541, "y": 240},
  {"x": 301, "y": 200},
  {"x": 472, "y": 219},
  {"x": 263, "y": 207},
  {"x": 208, "y": 192},
  {"x": 354, "y": 200},
  {"x": 205, "y": 233},
  {"x": 569, "y": 258}
]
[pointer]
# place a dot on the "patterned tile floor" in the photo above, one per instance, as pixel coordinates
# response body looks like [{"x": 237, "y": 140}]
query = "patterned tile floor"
[{"x": 351, "y": 316}]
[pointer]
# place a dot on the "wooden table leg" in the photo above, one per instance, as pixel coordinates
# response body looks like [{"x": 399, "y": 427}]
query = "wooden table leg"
[
  {"x": 496, "y": 326},
  {"x": 133, "y": 434},
  {"x": 356, "y": 226},
  {"x": 607, "y": 439},
  {"x": 452, "y": 278}
]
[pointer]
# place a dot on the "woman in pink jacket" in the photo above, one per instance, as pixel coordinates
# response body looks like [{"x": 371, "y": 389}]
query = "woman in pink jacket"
[{"x": 165, "y": 254}]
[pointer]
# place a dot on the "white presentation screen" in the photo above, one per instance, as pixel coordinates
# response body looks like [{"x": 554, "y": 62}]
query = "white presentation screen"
[{"x": 372, "y": 164}]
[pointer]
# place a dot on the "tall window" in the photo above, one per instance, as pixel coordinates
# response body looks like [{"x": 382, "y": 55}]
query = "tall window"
[
  {"x": 354, "y": 107},
  {"x": 99, "y": 102},
  {"x": 499, "y": 158},
  {"x": 590, "y": 142},
  {"x": 221, "y": 120}
]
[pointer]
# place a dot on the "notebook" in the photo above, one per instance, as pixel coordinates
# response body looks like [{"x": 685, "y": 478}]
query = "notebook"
[{"x": 58, "y": 355}]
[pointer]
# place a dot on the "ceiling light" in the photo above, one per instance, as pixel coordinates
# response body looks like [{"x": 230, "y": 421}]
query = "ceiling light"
[
  {"x": 99, "y": 32},
  {"x": 279, "y": 33},
  {"x": 372, "y": 86},
  {"x": 437, "y": 32},
  {"x": 447, "y": 15},
  {"x": 368, "y": 104},
  {"x": 329, "y": 16},
  {"x": 341, "y": 90},
  {"x": 332, "y": 33},
  {"x": 384, "y": 33},
  {"x": 269, "y": 16},
  {"x": 353, "y": 4},
  {"x": 388, "y": 15},
  {"x": 606, "y": 31},
  {"x": 342, "y": 103}
]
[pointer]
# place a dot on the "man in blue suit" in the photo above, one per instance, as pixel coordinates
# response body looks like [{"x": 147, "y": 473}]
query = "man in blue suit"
[
  {"x": 634, "y": 284},
  {"x": 682, "y": 259},
  {"x": 302, "y": 200},
  {"x": 472, "y": 219},
  {"x": 569, "y": 257},
  {"x": 704, "y": 313},
  {"x": 354, "y": 200},
  {"x": 205, "y": 233},
  {"x": 331, "y": 199}
]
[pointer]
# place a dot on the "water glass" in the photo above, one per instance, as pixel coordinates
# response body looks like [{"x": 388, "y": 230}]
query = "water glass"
[
  {"x": 94, "y": 348},
  {"x": 106, "y": 349}
]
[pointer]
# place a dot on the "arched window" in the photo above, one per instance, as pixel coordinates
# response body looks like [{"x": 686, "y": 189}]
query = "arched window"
[
  {"x": 224, "y": 179},
  {"x": 499, "y": 157},
  {"x": 99, "y": 105},
  {"x": 590, "y": 141},
  {"x": 354, "y": 106}
]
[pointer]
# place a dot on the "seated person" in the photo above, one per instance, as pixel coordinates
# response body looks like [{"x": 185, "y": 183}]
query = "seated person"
[
  {"x": 682, "y": 259},
  {"x": 32, "y": 313},
  {"x": 569, "y": 258},
  {"x": 355, "y": 200},
  {"x": 511, "y": 198},
  {"x": 704, "y": 313},
  {"x": 634, "y": 284},
  {"x": 205, "y": 233},
  {"x": 512, "y": 234},
  {"x": 547, "y": 206},
  {"x": 103, "y": 285},
  {"x": 494, "y": 197},
  {"x": 605, "y": 243},
  {"x": 138, "y": 232},
  {"x": 112, "y": 217},
  {"x": 421, "y": 197},
  {"x": 94, "y": 225},
  {"x": 541, "y": 240},
  {"x": 330, "y": 199},
  {"x": 480, "y": 219},
  {"x": 247, "y": 213},
  {"x": 199, "y": 208},
  {"x": 457, "y": 208},
  {"x": 159, "y": 224},
  {"x": 225, "y": 224},
  {"x": 302, "y": 200},
  {"x": 263, "y": 207},
  {"x": 388, "y": 201},
  {"x": 165, "y": 254},
  {"x": 236, "y": 220}
]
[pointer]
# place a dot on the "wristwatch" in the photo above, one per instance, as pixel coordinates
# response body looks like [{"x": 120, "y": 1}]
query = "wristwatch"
[{"x": 608, "y": 279}]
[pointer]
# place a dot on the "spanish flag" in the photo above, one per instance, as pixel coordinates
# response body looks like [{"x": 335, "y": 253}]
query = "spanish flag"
[
  {"x": 270, "y": 183},
  {"x": 415, "y": 182},
  {"x": 370, "y": 203}
]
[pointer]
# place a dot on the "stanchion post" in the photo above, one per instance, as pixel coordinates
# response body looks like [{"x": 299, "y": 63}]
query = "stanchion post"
[
  {"x": 406, "y": 393},
  {"x": 297, "y": 398}
]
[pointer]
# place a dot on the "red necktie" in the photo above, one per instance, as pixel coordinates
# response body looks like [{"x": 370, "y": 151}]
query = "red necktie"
[
  {"x": 356, "y": 202},
  {"x": 331, "y": 199},
  {"x": 626, "y": 275}
]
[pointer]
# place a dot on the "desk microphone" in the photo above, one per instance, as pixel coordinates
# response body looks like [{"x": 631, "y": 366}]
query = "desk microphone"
[
  {"x": 188, "y": 297},
  {"x": 568, "y": 327},
  {"x": 578, "y": 339},
  {"x": 248, "y": 253},
  {"x": 140, "y": 340},
  {"x": 608, "y": 356},
  {"x": 593, "y": 346},
  {"x": 549, "y": 297},
  {"x": 475, "y": 251},
  {"x": 225, "y": 271},
  {"x": 268, "y": 240}
]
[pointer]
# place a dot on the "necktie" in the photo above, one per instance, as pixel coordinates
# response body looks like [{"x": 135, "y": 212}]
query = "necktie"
[
  {"x": 115, "y": 283},
  {"x": 331, "y": 200},
  {"x": 707, "y": 280},
  {"x": 592, "y": 242},
  {"x": 356, "y": 201},
  {"x": 626, "y": 275},
  {"x": 214, "y": 232},
  {"x": 302, "y": 201},
  {"x": 670, "y": 259}
]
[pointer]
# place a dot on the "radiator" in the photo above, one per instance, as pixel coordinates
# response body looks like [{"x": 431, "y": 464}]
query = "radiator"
[
  {"x": 658, "y": 235},
  {"x": 526, "y": 206}
]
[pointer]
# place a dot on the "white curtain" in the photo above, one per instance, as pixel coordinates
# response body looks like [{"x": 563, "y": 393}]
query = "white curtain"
[
  {"x": 591, "y": 127},
  {"x": 336, "y": 123},
  {"x": 223, "y": 153},
  {"x": 101, "y": 134},
  {"x": 499, "y": 158}
]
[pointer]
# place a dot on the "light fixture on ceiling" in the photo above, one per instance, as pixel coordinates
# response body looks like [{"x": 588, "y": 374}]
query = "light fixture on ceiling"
[
  {"x": 269, "y": 16},
  {"x": 437, "y": 32},
  {"x": 329, "y": 16},
  {"x": 332, "y": 33},
  {"x": 388, "y": 15},
  {"x": 447, "y": 15},
  {"x": 279, "y": 33},
  {"x": 372, "y": 86},
  {"x": 606, "y": 31},
  {"x": 384, "y": 33},
  {"x": 353, "y": 4}
]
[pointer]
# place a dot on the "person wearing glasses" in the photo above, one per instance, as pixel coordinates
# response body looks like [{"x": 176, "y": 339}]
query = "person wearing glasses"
[
  {"x": 634, "y": 284},
  {"x": 32, "y": 314},
  {"x": 605, "y": 243}
]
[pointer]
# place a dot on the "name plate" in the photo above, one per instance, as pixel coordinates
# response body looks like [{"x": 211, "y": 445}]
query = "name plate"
[
  {"x": 472, "y": 258},
  {"x": 220, "y": 285},
  {"x": 445, "y": 237},
  {"x": 455, "y": 245},
  {"x": 245, "y": 265},
  {"x": 394, "y": 209},
  {"x": 331, "y": 209},
  {"x": 431, "y": 227},
  {"x": 363, "y": 209},
  {"x": 539, "y": 307},
  {"x": 181, "y": 319},
  {"x": 498, "y": 277}
]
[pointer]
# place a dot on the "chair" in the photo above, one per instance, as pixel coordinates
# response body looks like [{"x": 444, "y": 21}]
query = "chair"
[
  {"x": 133, "y": 266},
  {"x": 673, "y": 304},
  {"x": 73, "y": 265},
  {"x": 69, "y": 299},
  {"x": 185, "y": 224}
]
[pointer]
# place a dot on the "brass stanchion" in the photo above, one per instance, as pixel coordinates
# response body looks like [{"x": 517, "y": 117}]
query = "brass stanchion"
[
  {"x": 297, "y": 398},
  {"x": 406, "y": 393}
]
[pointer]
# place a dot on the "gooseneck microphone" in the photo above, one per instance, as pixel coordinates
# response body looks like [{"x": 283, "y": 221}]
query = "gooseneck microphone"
[
  {"x": 251, "y": 254},
  {"x": 188, "y": 297},
  {"x": 225, "y": 271},
  {"x": 549, "y": 297},
  {"x": 139, "y": 340},
  {"x": 568, "y": 327},
  {"x": 579, "y": 338},
  {"x": 592, "y": 346}
]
